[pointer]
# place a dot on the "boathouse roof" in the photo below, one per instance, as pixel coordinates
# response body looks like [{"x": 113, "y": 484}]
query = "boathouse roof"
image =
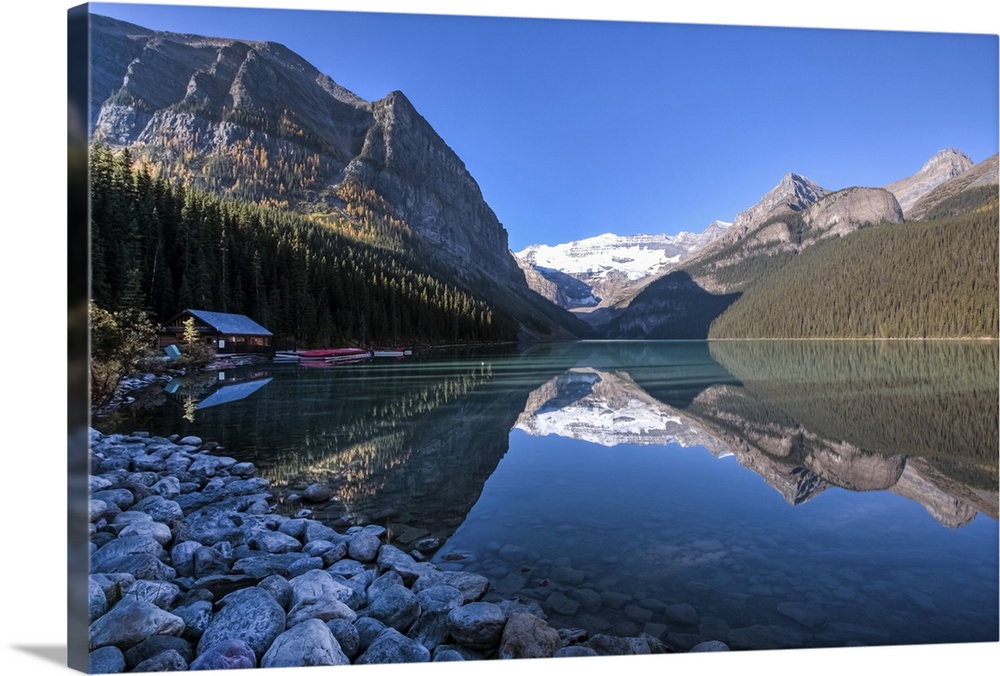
[{"x": 225, "y": 322}]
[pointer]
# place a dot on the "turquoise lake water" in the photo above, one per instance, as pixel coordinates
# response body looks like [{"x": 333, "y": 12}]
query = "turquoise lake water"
[{"x": 769, "y": 495}]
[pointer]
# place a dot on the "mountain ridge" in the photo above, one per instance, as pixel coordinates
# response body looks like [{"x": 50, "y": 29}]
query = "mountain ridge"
[
  {"x": 255, "y": 122},
  {"x": 599, "y": 271},
  {"x": 782, "y": 226}
]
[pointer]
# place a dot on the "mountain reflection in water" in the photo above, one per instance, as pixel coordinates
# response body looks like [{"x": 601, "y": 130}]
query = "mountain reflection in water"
[
  {"x": 607, "y": 482},
  {"x": 807, "y": 417}
]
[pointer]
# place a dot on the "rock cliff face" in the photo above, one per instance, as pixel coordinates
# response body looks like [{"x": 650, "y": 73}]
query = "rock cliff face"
[
  {"x": 944, "y": 165},
  {"x": 847, "y": 210},
  {"x": 215, "y": 101},
  {"x": 405, "y": 161},
  {"x": 792, "y": 194},
  {"x": 786, "y": 229},
  {"x": 253, "y": 121},
  {"x": 793, "y": 216}
]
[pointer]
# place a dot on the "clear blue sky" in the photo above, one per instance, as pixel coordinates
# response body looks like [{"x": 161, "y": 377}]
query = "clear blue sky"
[
  {"x": 576, "y": 127},
  {"x": 32, "y": 259}
]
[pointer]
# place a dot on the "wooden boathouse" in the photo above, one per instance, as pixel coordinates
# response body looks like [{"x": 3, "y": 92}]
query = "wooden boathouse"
[{"x": 226, "y": 333}]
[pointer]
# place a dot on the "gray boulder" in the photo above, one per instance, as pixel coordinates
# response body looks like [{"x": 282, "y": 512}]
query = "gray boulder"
[
  {"x": 317, "y": 493},
  {"x": 347, "y": 567},
  {"x": 448, "y": 656},
  {"x": 156, "y": 645},
  {"x": 472, "y": 585},
  {"x": 117, "y": 552},
  {"x": 363, "y": 546},
  {"x": 605, "y": 644},
  {"x": 576, "y": 651},
  {"x": 430, "y": 630},
  {"x": 279, "y": 587},
  {"x": 324, "y": 608},
  {"x": 477, "y": 625},
  {"x": 106, "y": 660},
  {"x": 304, "y": 565},
  {"x": 169, "y": 660},
  {"x": 159, "y": 593},
  {"x": 397, "y": 607},
  {"x": 528, "y": 636},
  {"x": 182, "y": 557},
  {"x": 228, "y": 654},
  {"x": 383, "y": 582},
  {"x": 130, "y": 622},
  {"x": 391, "y": 647},
  {"x": 329, "y": 552},
  {"x": 368, "y": 630},
  {"x": 196, "y": 615},
  {"x": 211, "y": 561},
  {"x": 267, "y": 564},
  {"x": 168, "y": 487},
  {"x": 391, "y": 557},
  {"x": 440, "y": 599},
  {"x": 251, "y": 615},
  {"x": 315, "y": 530},
  {"x": 347, "y": 636},
  {"x": 97, "y": 602},
  {"x": 158, "y": 507},
  {"x": 139, "y": 566},
  {"x": 710, "y": 647},
  {"x": 120, "y": 497},
  {"x": 315, "y": 584},
  {"x": 96, "y": 509},
  {"x": 274, "y": 542},
  {"x": 309, "y": 643}
]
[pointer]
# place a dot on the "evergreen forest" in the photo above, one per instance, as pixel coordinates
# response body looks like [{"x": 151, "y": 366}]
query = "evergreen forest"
[
  {"x": 348, "y": 278},
  {"x": 934, "y": 278}
]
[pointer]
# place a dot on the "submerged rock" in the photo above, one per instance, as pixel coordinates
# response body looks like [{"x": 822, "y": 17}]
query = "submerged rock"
[{"x": 528, "y": 636}]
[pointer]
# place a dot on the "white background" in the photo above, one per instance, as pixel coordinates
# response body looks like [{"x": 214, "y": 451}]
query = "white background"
[{"x": 32, "y": 339}]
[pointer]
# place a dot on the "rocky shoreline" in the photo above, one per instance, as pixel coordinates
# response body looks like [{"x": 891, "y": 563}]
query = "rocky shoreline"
[{"x": 192, "y": 568}]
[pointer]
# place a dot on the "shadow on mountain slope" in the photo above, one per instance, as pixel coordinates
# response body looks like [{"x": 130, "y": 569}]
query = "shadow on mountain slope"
[{"x": 673, "y": 307}]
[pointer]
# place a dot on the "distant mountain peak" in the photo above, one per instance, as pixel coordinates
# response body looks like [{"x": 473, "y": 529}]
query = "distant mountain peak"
[
  {"x": 793, "y": 193},
  {"x": 604, "y": 268},
  {"x": 796, "y": 184},
  {"x": 948, "y": 156},
  {"x": 942, "y": 166}
]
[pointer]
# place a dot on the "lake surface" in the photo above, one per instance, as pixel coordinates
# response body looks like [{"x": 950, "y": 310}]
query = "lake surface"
[{"x": 768, "y": 494}]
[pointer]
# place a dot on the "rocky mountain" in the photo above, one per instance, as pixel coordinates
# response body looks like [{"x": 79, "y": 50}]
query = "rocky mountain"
[
  {"x": 787, "y": 229},
  {"x": 792, "y": 194},
  {"x": 794, "y": 216},
  {"x": 724, "y": 259},
  {"x": 983, "y": 175},
  {"x": 684, "y": 303},
  {"x": 253, "y": 121},
  {"x": 944, "y": 165},
  {"x": 599, "y": 271}
]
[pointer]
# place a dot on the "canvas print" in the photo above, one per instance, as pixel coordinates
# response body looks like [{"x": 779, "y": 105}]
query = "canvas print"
[{"x": 411, "y": 338}]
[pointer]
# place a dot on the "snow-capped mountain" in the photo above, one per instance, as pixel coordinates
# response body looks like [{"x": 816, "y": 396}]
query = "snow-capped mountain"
[{"x": 602, "y": 269}]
